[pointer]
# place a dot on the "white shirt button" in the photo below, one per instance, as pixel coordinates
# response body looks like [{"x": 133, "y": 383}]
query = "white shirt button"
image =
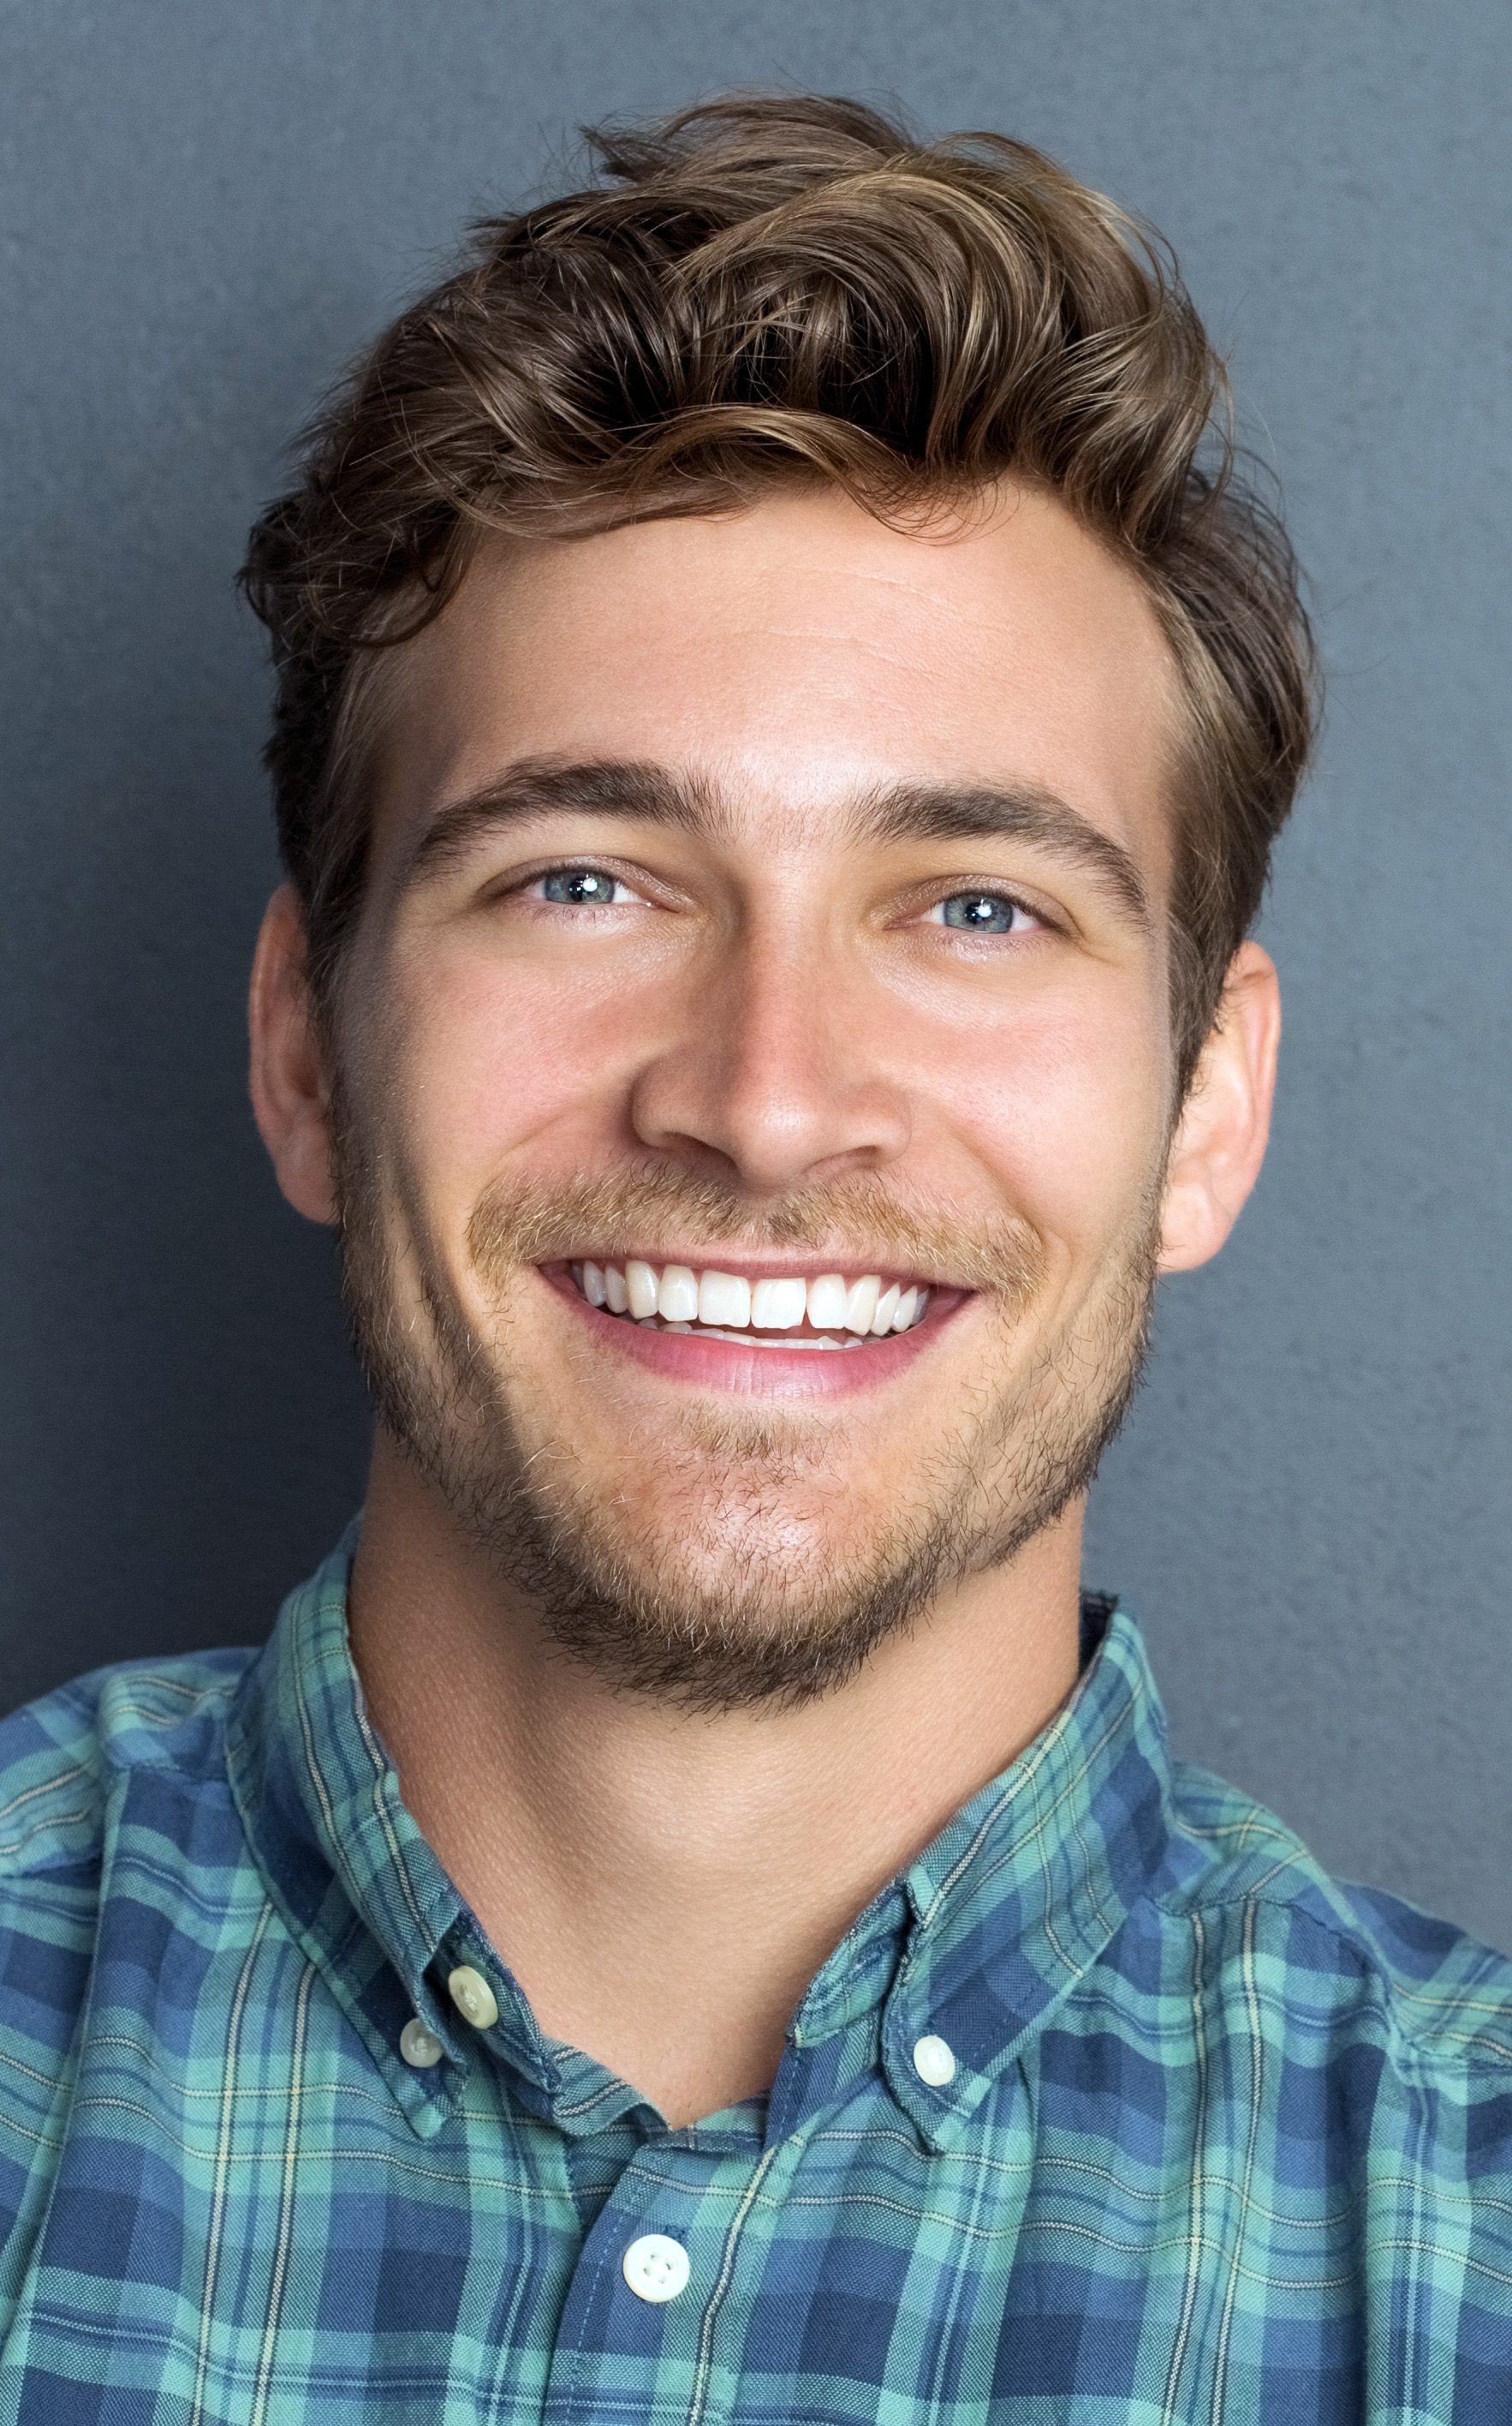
[
  {"x": 656, "y": 2269},
  {"x": 934, "y": 2062},
  {"x": 420, "y": 2046},
  {"x": 473, "y": 1996}
]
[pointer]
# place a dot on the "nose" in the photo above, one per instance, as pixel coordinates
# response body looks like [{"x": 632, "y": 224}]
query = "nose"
[{"x": 774, "y": 1076}]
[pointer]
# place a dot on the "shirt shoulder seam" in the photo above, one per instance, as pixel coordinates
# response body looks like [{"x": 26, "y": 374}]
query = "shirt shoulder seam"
[
  {"x": 1471, "y": 2050},
  {"x": 88, "y": 1739}
]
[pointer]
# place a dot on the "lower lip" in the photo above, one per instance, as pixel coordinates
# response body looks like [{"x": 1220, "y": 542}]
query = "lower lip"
[{"x": 760, "y": 1372}]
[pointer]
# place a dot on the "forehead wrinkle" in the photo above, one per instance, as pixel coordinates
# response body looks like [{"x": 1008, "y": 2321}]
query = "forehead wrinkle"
[{"x": 818, "y": 635}]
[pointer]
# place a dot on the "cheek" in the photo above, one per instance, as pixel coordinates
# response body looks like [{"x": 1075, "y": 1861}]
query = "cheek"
[
  {"x": 489, "y": 1060},
  {"x": 1063, "y": 1105}
]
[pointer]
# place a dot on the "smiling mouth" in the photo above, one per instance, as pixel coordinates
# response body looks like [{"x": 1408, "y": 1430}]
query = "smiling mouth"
[{"x": 794, "y": 1311}]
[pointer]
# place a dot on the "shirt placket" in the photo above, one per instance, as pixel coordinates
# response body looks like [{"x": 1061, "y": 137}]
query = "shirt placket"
[{"x": 654, "y": 2297}]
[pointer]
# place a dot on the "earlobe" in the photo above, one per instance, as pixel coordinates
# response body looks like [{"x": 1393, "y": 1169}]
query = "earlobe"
[
  {"x": 289, "y": 1089},
  {"x": 1221, "y": 1135}
]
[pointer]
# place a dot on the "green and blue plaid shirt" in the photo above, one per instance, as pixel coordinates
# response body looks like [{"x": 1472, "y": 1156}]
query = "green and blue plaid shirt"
[{"x": 1207, "y": 2138}]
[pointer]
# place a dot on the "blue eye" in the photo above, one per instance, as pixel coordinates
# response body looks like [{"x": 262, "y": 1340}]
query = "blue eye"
[
  {"x": 982, "y": 914},
  {"x": 580, "y": 888}
]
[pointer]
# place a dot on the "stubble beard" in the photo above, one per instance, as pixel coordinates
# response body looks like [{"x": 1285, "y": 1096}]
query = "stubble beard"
[{"x": 743, "y": 1600}]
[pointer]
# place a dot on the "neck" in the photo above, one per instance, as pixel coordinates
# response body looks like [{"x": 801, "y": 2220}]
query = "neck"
[{"x": 664, "y": 1884}]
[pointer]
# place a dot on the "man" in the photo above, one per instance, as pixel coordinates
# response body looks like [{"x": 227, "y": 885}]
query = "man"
[{"x": 782, "y": 712}]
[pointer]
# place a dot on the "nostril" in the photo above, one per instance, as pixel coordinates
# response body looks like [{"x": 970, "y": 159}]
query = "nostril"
[{"x": 770, "y": 1119}]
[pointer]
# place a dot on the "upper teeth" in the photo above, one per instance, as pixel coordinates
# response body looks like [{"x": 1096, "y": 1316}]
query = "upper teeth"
[{"x": 725, "y": 1301}]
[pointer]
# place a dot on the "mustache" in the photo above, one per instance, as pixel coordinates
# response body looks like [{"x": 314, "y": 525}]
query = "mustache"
[{"x": 856, "y": 1221}]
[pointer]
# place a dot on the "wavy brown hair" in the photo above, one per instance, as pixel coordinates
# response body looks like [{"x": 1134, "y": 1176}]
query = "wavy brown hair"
[{"x": 766, "y": 289}]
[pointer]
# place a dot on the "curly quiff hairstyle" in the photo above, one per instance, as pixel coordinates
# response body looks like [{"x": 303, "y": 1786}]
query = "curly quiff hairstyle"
[{"x": 763, "y": 290}]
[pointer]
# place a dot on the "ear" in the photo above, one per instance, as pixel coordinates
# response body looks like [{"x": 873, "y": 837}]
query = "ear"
[
  {"x": 1220, "y": 1136},
  {"x": 290, "y": 1090}
]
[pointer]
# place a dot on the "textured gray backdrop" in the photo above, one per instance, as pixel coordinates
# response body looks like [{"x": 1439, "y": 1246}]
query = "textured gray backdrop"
[{"x": 203, "y": 211}]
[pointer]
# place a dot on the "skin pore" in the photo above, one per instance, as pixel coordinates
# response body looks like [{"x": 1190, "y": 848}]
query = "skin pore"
[{"x": 770, "y": 895}]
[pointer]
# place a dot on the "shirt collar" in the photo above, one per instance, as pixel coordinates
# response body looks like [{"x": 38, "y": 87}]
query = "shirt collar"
[
  {"x": 361, "y": 1890},
  {"x": 349, "y": 1871},
  {"x": 1025, "y": 1889},
  {"x": 980, "y": 1939},
  {"x": 975, "y": 1943}
]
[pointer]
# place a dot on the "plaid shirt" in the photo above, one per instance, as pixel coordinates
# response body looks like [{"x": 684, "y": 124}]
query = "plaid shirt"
[{"x": 1193, "y": 2134}]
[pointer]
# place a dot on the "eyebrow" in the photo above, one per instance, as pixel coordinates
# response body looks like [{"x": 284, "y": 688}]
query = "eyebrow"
[
  {"x": 541, "y": 787},
  {"x": 1019, "y": 812},
  {"x": 642, "y": 791}
]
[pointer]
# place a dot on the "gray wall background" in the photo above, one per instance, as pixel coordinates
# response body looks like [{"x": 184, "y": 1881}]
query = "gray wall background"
[{"x": 204, "y": 210}]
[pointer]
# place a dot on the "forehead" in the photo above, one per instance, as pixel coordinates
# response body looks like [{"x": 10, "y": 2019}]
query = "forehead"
[{"x": 795, "y": 653}]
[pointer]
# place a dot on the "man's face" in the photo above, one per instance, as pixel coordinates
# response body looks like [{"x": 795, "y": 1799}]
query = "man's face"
[{"x": 765, "y": 923}]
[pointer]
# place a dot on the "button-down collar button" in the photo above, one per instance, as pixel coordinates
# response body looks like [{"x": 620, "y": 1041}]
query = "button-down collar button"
[
  {"x": 473, "y": 1996},
  {"x": 934, "y": 2062},
  {"x": 656, "y": 2268},
  {"x": 420, "y": 2046}
]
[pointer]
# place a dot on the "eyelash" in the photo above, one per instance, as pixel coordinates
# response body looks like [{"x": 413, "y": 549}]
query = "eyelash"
[{"x": 934, "y": 915}]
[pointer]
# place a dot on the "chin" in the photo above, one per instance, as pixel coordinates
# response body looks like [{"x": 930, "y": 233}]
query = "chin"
[{"x": 758, "y": 1540}]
